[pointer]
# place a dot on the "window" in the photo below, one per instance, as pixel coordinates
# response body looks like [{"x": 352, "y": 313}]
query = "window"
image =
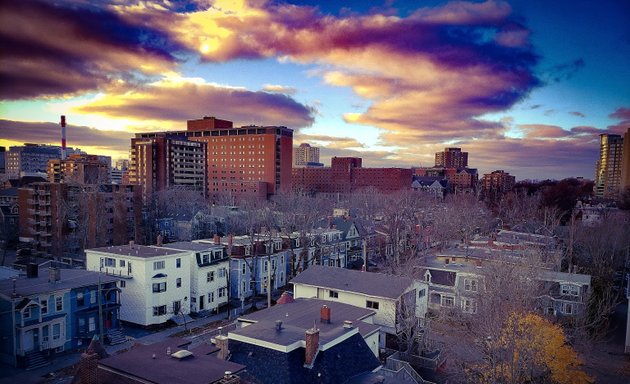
[
  {"x": 123, "y": 284},
  {"x": 265, "y": 266},
  {"x": 211, "y": 297},
  {"x": 44, "y": 305},
  {"x": 422, "y": 292},
  {"x": 109, "y": 262},
  {"x": 222, "y": 272},
  {"x": 27, "y": 312},
  {"x": 210, "y": 277},
  {"x": 58, "y": 303},
  {"x": 56, "y": 331},
  {"x": 92, "y": 324},
  {"x": 178, "y": 282},
  {"x": 470, "y": 285},
  {"x": 80, "y": 300},
  {"x": 570, "y": 289},
  {"x": 469, "y": 306},
  {"x": 243, "y": 269},
  {"x": 178, "y": 262},
  {"x": 159, "y": 287},
  {"x": 159, "y": 310},
  {"x": 567, "y": 309},
  {"x": 206, "y": 258},
  {"x": 158, "y": 265},
  {"x": 121, "y": 263},
  {"x": 371, "y": 304},
  {"x": 448, "y": 301},
  {"x": 129, "y": 268},
  {"x": 222, "y": 292},
  {"x": 333, "y": 294},
  {"x": 93, "y": 297}
]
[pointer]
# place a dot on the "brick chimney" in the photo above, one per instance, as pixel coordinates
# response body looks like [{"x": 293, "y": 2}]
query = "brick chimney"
[
  {"x": 312, "y": 345},
  {"x": 230, "y": 239},
  {"x": 217, "y": 239},
  {"x": 159, "y": 240},
  {"x": 325, "y": 314},
  {"x": 221, "y": 342}
]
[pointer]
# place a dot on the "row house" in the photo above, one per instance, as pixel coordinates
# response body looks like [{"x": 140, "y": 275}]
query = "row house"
[
  {"x": 155, "y": 281},
  {"x": 392, "y": 298},
  {"x": 257, "y": 263},
  {"x": 45, "y": 314}
]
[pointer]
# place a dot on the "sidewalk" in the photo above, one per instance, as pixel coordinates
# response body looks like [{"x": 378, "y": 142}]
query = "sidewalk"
[{"x": 11, "y": 375}]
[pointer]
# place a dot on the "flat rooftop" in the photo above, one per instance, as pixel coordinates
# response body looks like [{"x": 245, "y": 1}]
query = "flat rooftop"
[
  {"x": 136, "y": 250},
  {"x": 69, "y": 279},
  {"x": 190, "y": 246},
  {"x": 201, "y": 367}
]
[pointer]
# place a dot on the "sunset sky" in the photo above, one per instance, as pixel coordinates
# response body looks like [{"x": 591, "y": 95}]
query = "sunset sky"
[{"x": 525, "y": 86}]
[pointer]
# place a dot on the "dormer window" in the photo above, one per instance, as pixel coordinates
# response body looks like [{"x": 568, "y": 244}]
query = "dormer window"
[{"x": 427, "y": 276}]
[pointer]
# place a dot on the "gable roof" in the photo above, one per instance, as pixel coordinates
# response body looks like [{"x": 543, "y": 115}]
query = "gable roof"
[{"x": 368, "y": 283}]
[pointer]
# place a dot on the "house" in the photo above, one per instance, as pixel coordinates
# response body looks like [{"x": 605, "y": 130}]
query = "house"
[
  {"x": 172, "y": 361},
  {"x": 209, "y": 268},
  {"x": 155, "y": 281},
  {"x": 51, "y": 311},
  {"x": 305, "y": 341},
  {"x": 435, "y": 186},
  {"x": 387, "y": 295},
  {"x": 256, "y": 263}
]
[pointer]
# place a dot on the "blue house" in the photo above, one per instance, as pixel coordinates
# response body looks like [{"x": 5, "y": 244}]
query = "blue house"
[{"x": 48, "y": 312}]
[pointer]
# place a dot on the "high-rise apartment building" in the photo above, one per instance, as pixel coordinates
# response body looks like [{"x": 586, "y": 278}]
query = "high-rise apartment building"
[
  {"x": 625, "y": 162},
  {"x": 3, "y": 152},
  {"x": 79, "y": 169},
  {"x": 608, "y": 175},
  {"x": 32, "y": 158},
  {"x": 305, "y": 155},
  {"x": 163, "y": 160},
  {"x": 247, "y": 161},
  {"x": 451, "y": 158},
  {"x": 497, "y": 181},
  {"x": 60, "y": 220}
]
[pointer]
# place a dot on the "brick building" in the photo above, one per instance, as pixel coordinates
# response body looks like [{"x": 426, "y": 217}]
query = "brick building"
[
  {"x": 346, "y": 175},
  {"x": 459, "y": 179},
  {"x": 305, "y": 155},
  {"x": 79, "y": 168},
  {"x": 497, "y": 181},
  {"x": 60, "y": 220},
  {"x": 451, "y": 158},
  {"x": 248, "y": 161}
]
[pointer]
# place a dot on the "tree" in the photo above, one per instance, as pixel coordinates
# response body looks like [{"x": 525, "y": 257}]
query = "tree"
[{"x": 529, "y": 349}]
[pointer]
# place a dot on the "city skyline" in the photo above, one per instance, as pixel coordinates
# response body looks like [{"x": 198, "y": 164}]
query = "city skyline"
[{"x": 521, "y": 86}]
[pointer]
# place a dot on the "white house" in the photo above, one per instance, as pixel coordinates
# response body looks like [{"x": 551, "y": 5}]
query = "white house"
[
  {"x": 209, "y": 266},
  {"x": 385, "y": 294},
  {"x": 155, "y": 281}
]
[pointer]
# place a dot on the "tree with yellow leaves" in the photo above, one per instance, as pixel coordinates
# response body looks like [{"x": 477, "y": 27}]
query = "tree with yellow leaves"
[{"x": 529, "y": 349}]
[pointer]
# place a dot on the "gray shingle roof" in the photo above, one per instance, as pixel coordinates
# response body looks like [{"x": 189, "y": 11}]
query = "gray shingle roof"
[
  {"x": 70, "y": 278},
  {"x": 369, "y": 283}
]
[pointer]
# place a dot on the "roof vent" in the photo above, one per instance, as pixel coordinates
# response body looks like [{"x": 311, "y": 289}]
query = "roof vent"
[
  {"x": 182, "y": 354},
  {"x": 347, "y": 324}
]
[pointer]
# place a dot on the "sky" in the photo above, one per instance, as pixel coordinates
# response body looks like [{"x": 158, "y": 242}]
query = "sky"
[{"x": 523, "y": 86}]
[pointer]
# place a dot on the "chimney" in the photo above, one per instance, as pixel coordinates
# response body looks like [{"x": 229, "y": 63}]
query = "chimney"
[
  {"x": 325, "y": 314},
  {"x": 32, "y": 270},
  {"x": 230, "y": 239},
  {"x": 312, "y": 345},
  {"x": 446, "y": 261},
  {"x": 278, "y": 325},
  {"x": 54, "y": 275},
  {"x": 63, "y": 137},
  {"x": 222, "y": 343},
  {"x": 217, "y": 239},
  {"x": 132, "y": 243},
  {"x": 159, "y": 240}
]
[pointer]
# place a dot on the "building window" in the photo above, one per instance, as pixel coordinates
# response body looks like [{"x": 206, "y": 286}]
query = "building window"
[
  {"x": 178, "y": 263},
  {"x": 58, "y": 303},
  {"x": 56, "y": 331},
  {"x": 210, "y": 277},
  {"x": 206, "y": 259},
  {"x": 222, "y": 292},
  {"x": 265, "y": 266},
  {"x": 91, "y": 324},
  {"x": 121, "y": 263},
  {"x": 567, "y": 309},
  {"x": 222, "y": 272},
  {"x": 80, "y": 300},
  {"x": 333, "y": 294},
  {"x": 109, "y": 262},
  {"x": 159, "y": 287},
  {"x": 448, "y": 301},
  {"x": 422, "y": 293},
  {"x": 211, "y": 297},
  {"x": 158, "y": 265},
  {"x": 570, "y": 289},
  {"x": 470, "y": 285},
  {"x": 371, "y": 304},
  {"x": 243, "y": 269},
  {"x": 159, "y": 310},
  {"x": 178, "y": 282},
  {"x": 27, "y": 312},
  {"x": 469, "y": 306},
  {"x": 123, "y": 284},
  {"x": 93, "y": 297}
]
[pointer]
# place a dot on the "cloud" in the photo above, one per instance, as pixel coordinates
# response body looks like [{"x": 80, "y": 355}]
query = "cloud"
[
  {"x": 178, "y": 99},
  {"x": 279, "y": 89},
  {"x": 622, "y": 114},
  {"x": 578, "y": 114},
  {"x": 329, "y": 142},
  {"x": 77, "y": 136},
  {"x": 59, "y": 48},
  {"x": 564, "y": 71}
]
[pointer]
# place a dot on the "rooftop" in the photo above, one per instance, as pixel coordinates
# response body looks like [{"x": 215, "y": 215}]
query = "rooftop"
[
  {"x": 368, "y": 283},
  {"x": 136, "y": 250},
  {"x": 70, "y": 278},
  {"x": 200, "y": 367},
  {"x": 190, "y": 246}
]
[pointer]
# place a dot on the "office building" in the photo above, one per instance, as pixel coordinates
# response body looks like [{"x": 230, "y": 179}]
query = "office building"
[
  {"x": 451, "y": 158},
  {"x": 32, "y": 158},
  {"x": 625, "y": 162},
  {"x": 608, "y": 175},
  {"x": 162, "y": 160}
]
